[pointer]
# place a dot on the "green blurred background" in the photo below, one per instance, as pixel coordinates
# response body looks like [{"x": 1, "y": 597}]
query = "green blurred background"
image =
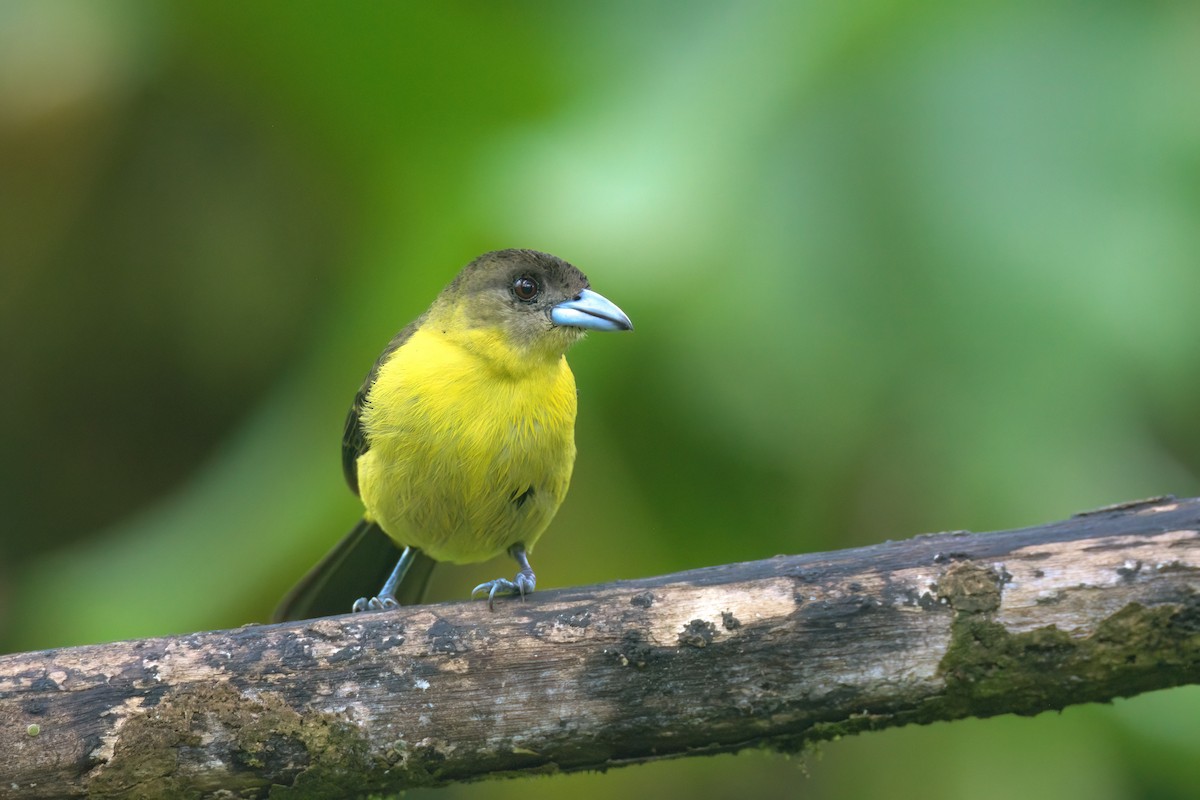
[{"x": 895, "y": 267}]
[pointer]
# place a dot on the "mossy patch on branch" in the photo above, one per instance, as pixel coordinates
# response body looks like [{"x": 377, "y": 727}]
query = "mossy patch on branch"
[
  {"x": 269, "y": 749},
  {"x": 971, "y": 588},
  {"x": 989, "y": 670}
]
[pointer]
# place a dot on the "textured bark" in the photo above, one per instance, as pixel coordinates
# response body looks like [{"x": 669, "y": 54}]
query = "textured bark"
[{"x": 775, "y": 653}]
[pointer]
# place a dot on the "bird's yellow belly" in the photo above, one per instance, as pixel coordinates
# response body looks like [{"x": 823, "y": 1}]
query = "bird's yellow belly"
[{"x": 465, "y": 461}]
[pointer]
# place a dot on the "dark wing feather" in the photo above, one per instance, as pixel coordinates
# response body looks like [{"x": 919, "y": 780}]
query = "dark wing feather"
[{"x": 354, "y": 440}]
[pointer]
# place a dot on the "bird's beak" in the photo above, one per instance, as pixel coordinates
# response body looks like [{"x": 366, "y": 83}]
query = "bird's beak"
[{"x": 591, "y": 311}]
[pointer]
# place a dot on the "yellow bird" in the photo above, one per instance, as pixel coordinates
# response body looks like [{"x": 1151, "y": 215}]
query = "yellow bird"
[{"x": 461, "y": 440}]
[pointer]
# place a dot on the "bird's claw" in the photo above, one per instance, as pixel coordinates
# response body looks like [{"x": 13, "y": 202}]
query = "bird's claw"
[
  {"x": 374, "y": 604},
  {"x": 522, "y": 586}
]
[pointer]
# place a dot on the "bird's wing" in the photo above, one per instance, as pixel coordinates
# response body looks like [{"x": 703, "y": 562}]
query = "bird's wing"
[{"x": 354, "y": 440}]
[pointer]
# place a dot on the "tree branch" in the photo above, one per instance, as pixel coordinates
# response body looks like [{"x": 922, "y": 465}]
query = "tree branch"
[{"x": 776, "y": 653}]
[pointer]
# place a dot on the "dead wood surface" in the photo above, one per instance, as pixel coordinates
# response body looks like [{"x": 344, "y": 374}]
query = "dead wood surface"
[{"x": 776, "y": 653}]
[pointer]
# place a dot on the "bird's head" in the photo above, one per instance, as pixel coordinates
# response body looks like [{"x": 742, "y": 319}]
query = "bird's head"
[{"x": 533, "y": 303}]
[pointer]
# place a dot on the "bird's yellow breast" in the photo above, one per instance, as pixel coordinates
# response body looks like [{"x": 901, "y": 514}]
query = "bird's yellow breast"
[{"x": 470, "y": 444}]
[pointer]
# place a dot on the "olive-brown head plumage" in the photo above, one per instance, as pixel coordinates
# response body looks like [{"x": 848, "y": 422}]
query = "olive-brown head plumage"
[{"x": 537, "y": 300}]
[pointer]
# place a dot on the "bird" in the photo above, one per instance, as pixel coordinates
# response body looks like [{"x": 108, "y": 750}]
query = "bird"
[{"x": 461, "y": 440}]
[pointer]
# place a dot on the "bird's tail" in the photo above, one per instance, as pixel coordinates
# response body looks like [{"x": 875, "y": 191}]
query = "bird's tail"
[{"x": 356, "y": 566}]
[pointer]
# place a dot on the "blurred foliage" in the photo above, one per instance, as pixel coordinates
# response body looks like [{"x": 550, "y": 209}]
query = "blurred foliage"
[{"x": 895, "y": 267}]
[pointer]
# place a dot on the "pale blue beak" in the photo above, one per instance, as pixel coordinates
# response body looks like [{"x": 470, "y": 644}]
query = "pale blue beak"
[{"x": 591, "y": 311}]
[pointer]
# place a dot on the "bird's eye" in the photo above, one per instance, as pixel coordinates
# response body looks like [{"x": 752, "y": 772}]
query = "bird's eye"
[{"x": 526, "y": 288}]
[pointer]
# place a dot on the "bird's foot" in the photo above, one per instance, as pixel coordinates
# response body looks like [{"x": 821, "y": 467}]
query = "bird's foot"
[
  {"x": 382, "y": 603},
  {"x": 523, "y": 585}
]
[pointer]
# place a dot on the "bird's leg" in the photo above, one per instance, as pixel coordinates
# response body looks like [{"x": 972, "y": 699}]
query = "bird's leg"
[
  {"x": 522, "y": 585},
  {"x": 386, "y": 599}
]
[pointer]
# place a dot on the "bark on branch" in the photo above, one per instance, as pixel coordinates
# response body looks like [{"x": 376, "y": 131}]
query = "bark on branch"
[{"x": 776, "y": 653}]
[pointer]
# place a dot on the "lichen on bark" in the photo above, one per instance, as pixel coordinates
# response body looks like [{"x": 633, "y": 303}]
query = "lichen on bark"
[{"x": 989, "y": 670}]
